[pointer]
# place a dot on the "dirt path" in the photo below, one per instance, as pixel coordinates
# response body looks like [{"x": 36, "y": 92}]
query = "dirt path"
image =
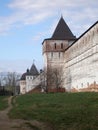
[{"x": 17, "y": 124}]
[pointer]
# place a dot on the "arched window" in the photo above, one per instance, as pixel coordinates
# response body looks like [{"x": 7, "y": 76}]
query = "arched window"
[{"x": 61, "y": 45}]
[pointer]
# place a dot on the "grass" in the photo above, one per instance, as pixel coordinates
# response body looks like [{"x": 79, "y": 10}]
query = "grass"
[
  {"x": 28, "y": 124},
  {"x": 31, "y": 126},
  {"x": 70, "y": 111},
  {"x": 3, "y": 102}
]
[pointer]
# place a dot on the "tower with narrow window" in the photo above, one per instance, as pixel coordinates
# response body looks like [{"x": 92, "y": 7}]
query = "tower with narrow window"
[
  {"x": 54, "y": 47},
  {"x": 78, "y": 59},
  {"x": 54, "y": 51}
]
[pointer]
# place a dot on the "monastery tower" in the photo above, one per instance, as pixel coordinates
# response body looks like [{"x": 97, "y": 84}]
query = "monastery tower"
[
  {"x": 54, "y": 47},
  {"x": 76, "y": 58}
]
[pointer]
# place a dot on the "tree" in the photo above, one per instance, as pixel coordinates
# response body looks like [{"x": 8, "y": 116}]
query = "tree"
[
  {"x": 54, "y": 78},
  {"x": 2, "y": 78},
  {"x": 43, "y": 81},
  {"x": 11, "y": 81}
]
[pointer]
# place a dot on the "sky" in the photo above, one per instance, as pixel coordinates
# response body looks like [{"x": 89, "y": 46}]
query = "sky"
[{"x": 24, "y": 24}]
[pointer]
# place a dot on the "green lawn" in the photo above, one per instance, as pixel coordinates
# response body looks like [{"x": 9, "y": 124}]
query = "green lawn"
[
  {"x": 3, "y": 102},
  {"x": 62, "y": 111}
]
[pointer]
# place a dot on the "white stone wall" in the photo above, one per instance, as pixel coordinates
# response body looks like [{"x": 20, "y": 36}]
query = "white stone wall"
[
  {"x": 29, "y": 82},
  {"x": 22, "y": 87},
  {"x": 32, "y": 82},
  {"x": 35, "y": 83},
  {"x": 81, "y": 62}
]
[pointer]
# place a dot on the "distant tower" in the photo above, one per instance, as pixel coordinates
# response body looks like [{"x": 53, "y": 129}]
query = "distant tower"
[
  {"x": 54, "y": 47},
  {"x": 27, "y": 78}
]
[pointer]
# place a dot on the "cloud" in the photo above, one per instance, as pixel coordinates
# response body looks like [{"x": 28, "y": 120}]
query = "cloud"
[
  {"x": 78, "y": 14},
  {"x": 13, "y": 65},
  {"x": 29, "y": 12},
  {"x": 18, "y": 65}
]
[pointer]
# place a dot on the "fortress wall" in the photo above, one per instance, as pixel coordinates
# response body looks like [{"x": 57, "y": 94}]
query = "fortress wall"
[
  {"x": 81, "y": 62},
  {"x": 32, "y": 83},
  {"x": 49, "y": 45}
]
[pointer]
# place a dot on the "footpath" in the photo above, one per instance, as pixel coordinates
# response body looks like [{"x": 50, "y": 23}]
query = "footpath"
[{"x": 18, "y": 124}]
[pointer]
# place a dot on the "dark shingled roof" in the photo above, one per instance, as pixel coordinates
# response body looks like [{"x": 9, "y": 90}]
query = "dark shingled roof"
[
  {"x": 33, "y": 72},
  {"x": 23, "y": 77},
  {"x": 62, "y": 32}
]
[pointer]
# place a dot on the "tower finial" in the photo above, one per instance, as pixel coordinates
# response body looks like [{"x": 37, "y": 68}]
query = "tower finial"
[
  {"x": 33, "y": 61},
  {"x": 61, "y": 15}
]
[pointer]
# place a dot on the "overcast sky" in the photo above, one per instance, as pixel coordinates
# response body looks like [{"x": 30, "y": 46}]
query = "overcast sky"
[{"x": 24, "y": 24}]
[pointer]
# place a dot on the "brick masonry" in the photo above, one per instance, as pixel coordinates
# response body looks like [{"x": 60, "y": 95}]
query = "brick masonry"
[{"x": 79, "y": 62}]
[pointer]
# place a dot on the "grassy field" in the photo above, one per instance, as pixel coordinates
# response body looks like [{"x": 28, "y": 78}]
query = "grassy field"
[
  {"x": 66, "y": 111},
  {"x": 3, "y": 102}
]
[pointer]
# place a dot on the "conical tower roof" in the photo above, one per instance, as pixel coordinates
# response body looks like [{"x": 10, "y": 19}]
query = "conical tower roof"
[
  {"x": 33, "y": 70},
  {"x": 62, "y": 31}
]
